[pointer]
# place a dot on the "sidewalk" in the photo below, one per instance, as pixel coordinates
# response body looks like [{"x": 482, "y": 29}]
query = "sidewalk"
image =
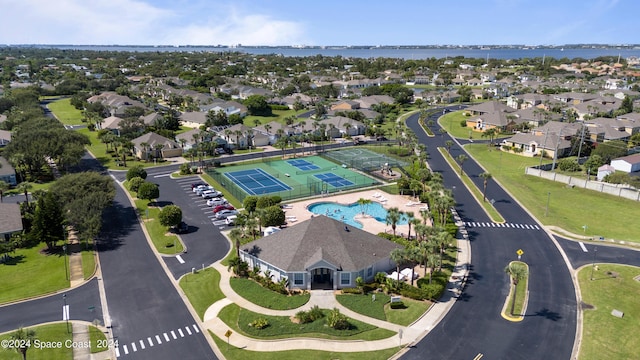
[{"x": 326, "y": 299}]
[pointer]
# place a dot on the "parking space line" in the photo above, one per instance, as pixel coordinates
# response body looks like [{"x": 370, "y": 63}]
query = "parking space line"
[
  {"x": 166, "y": 337},
  {"x": 150, "y": 341},
  {"x": 158, "y": 339}
]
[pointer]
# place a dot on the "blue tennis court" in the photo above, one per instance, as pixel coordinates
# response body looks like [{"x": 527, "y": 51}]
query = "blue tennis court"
[
  {"x": 333, "y": 179},
  {"x": 257, "y": 181},
  {"x": 303, "y": 165}
]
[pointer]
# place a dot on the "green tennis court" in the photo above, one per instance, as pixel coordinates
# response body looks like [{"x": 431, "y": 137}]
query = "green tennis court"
[
  {"x": 363, "y": 159},
  {"x": 301, "y": 177}
]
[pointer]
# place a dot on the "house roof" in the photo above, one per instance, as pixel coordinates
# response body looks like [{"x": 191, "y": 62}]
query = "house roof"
[
  {"x": 490, "y": 107},
  {"x": 321, "y": 239},
  {"x": 548, "y": 142},
  {"x": 10, "y": 219},
  {"x": 5, "y": 167},
  {"x": 112, "y": 122},
  {"x": 153, "y": 139},
  {"x": 630, "y": 159}
]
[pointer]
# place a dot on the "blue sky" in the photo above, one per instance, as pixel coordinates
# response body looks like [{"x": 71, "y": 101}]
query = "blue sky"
[{"x": 318, "y": 22}]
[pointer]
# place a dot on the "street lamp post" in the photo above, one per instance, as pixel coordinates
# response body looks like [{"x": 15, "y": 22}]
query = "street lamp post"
[{"x": 66, "y": 271}]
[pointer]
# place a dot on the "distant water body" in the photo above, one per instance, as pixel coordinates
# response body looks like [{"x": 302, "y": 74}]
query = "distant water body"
[{"x": 502, "y": 53}]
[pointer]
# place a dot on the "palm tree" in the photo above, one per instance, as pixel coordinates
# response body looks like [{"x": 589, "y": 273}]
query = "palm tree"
[
  {"x": 238, "y": 133},
  {"x": 410, "y": 216},
  {"x": 398, "y": 256},
  {"x": 461, "y": 159},
  {"x": 431, "y": 262},
  {"x": 364, "y": 204},
  {"x": 393, "y": 217},
  {"x": 24, "y": 188},
  {"x": 4, "y": 186},
  {"x": 517, "y": 273},
  {"x": 22, "y": 337},
  {"x": 145, "y": 147},
  {"x": 425, "y": 213},
  {"x": 485, "y": 177},
  {"x": 448, "y": 144},
  {"x": 251, "y": 226},
  {"x": 267, "y": 128},
  {"x": 235, "y": 234},
  {"x": 490, "y": 133}
]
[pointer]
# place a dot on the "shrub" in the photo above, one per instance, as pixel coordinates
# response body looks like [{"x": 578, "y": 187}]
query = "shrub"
[
  {"x": 569, "y": 165},
  {"x": 351, "y": 291},
  {"x": 216, "y": 163},
  {"x": 273, "y": 216},
  {"x": 380, "y": 277},
  {"x": 337, "y": 320},
  {"x": 148, "y": 191},
  {"x": 134, "y": 183},
  {"x": 303, "y": 317},
  {"x": 315, "y": 313},
  {"x": 463, "y": 123},
  {"x": 185, "y": 169},
  {"x": 259, "y": 323},
  {"x": 136, "y": 171},
  {"x": 413, "y": 293},
  {"x": 432, "y": 291},
  {"x": 397, "y": 305}
]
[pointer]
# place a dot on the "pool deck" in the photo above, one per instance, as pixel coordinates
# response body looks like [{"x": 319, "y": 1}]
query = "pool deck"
[{"x": 298, "y": 210}]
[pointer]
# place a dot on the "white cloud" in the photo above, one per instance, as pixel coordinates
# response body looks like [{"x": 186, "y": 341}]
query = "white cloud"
[{"x": 135, "y": 22}]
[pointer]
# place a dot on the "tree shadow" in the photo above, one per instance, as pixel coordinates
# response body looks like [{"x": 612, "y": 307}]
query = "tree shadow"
[
  {"x": 12, "y": 260},
  {"x": 547, "y": 314},
  {"x": 160, "y": 204},
  {"x": 118, "y": 221}
]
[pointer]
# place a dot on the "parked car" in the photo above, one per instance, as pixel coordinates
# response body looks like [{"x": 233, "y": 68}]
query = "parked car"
[
  {"x": 217, "y": 201},
  {"x": 210, "y": 194},
  {"x": 231, "y": 220},
  {"x": 196, "y": 184},
  {"x": 220, "y": 151},
  {"x": 198, "y": 187},
  {"x": 203, "y": 189},
  {"x": 225, "y": 214},
  {"x": 219, "y": 208}
]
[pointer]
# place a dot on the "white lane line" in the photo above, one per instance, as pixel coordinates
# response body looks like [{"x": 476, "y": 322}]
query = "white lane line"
[
  {"x": 65, "y": 312},
  {"x": 133, "y": 346},
  {"x": 527, "y": 226},
  {"x": 126, "y": 351},
  {"x": 584, "y": 248},
  {"x": 180, "y": 332},
  {"x": 150, "y": 341},
  {"x": 188, "y": 330},
  {"x": 180, "y": 259},
  {"x": 142, "y": 345},
  {"x": 117, "y": 352},
  {"x": 158, "y": 339},
  {"x": 163, "y": 175},
  {"x": 173, "y": 333},
  {"x": 196, "y": 328},
  {"x": 166, "y": 337},
  {"x": 493, "y": 224},
  {"x": 536, "y": 226}
]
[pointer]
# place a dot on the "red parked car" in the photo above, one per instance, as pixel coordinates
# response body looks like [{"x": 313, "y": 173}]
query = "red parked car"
[{"x": 222, "y": 207}]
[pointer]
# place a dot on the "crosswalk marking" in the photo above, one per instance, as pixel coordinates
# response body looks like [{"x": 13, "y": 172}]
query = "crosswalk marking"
[
  {"x": 502, "y": 225},
  {"x": 140, "y": 345}
]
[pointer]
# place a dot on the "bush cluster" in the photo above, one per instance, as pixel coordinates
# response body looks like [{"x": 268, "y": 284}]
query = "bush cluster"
[
  {"x": 259, "y": 323},
  {"x": 309, "y": 316},
  {"x": 397, "y": 305},
  {"x": 337, "y": 320}
]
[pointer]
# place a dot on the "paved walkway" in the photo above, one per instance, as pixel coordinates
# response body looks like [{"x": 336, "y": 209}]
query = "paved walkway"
[{"x": 326, "y": 299}]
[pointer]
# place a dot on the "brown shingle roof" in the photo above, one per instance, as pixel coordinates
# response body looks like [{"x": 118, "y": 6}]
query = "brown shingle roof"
[
  {"x": 10, "y": 219},
  {"x": 321, "y": 238}
]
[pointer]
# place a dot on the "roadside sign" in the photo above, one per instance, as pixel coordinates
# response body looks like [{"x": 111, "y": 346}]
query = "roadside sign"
[
  {"x": 228, "y": 333},
  {"x": 519, "y": 252}
]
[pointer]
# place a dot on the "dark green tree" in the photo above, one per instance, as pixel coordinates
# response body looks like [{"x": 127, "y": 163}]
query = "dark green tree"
[
  {"x": 170, "y": 215},
  {"x": 136, "y": 171},
  {"x": 257, "y": 105},
  {"x": 610, "y": 150},
  {"x": 273, "y": 216},
  {"x": 48, "y": 221},
  {"x": 148, "y": 191}
]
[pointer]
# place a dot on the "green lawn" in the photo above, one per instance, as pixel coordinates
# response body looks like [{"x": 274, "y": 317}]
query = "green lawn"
[
  {"x": 66, "y": 113},
  {"x": 605, "y": 336},
  {"x": 234, "y": 353},
  {"x": 278, "y": 115},
  {"x": 604, "y": 215},
  {"x": 381, "y": 310},
  {"x": 88, "y": 263},
  {"x": 164, "y": 241},
  {"x": 44, "y": 333},
  {"x": 281, "y": 327},
  {"x": 266, "y": 298},
  {"x": 97, "y": 338},
  {"x": 31, "y": 272},
  {"x": 451, "y": 122},
  {"x": 202, "y": 289},
  {"x": 99, "y": 151},
  {"x": 477, "y": 193}
]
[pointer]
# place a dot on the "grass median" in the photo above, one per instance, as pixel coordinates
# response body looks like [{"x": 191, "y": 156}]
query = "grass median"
[
  {"x": 477, "y": 194},
  {"x": 380, "y": 309},
  {"x": 202, "y": 289},
  {"x": 165, "y": 242},
  {"x": 266, "y": 298}
]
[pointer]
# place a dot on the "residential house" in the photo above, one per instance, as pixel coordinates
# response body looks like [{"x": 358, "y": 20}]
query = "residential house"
[
  {"x": 116, "y": 104},
  {"x": 340, "y": 126},
  {"x": 188, "y": 141},
  {"x": 151, "y": 119},
  {"x": 320, "y": 253},
  {"x": 367, "y": 102},
  {"x": 7, "y": 172},
  {"x": 111, "y": 123},
  {"x": 5, "y": 138},
  {"x": 531, "y": 144},
  {"x": 605, "y": 170},
  {"x": 607, "y": 129},
  {"x": 499, "y": 120},
  {"x": 489, "y": 107},
  {"x": 535, "y": 116},
  {"x": 193, "y": 119},
  {"x": 345, "y": 105},
  {"x": 239, "y": 136},
  {"x": 152, "y": 145},
  {"x": 628, "y": 164},
  {"x": 10, "y": 220}
]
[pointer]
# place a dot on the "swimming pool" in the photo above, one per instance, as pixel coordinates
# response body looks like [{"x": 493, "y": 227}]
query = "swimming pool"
[{"x": 347, "y": 213}]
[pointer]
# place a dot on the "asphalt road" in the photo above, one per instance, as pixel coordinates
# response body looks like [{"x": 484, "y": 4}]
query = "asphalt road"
[
  {"x": 474, "y": 325},
  {"x": 143, "y": 303}
]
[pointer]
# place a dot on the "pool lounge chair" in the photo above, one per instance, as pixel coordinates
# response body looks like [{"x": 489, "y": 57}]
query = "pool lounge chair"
[{"x": 376, "y": 195}]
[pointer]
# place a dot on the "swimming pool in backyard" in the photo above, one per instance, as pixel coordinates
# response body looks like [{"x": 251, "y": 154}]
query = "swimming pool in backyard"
[{"x": 347, "y": 213}]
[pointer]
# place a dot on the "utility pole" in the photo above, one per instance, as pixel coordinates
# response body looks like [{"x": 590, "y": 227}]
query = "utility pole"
[
  {"x": 542, "y": 150},
  {"x": 555, "y": 153},
  {"x": 581, "y": 141}
]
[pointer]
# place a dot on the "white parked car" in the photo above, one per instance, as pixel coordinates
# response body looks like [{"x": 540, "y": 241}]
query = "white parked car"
[
  {"x": 225, "y": 214},
  {"x": 210, "y": 194},
  {"x": 217, "y": 201},
  {"x": 231, "y": 220},
  {"x": 201, "y": 186},
  {"x": 203, "y": 189}
]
